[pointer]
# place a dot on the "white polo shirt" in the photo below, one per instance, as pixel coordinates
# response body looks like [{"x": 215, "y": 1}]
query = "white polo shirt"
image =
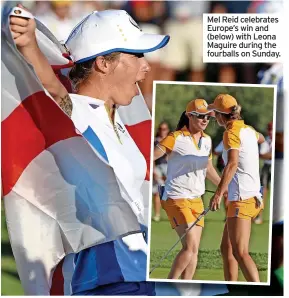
[
  {"x": 246, "y": 181},
  {"x": 120, "y": 151},
  {"x": 187, "y": 164},
  {"x": 126, "y": 255}
]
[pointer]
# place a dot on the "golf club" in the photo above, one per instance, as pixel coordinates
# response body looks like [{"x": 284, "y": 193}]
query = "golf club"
[{"x": 181, "y": 238}]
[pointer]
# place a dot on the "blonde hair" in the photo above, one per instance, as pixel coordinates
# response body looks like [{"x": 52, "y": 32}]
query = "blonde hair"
[{"x": 236, "y": 113}]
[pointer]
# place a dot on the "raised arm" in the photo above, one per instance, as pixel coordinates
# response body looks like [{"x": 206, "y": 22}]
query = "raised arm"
[{"x": 23, "y": 33}]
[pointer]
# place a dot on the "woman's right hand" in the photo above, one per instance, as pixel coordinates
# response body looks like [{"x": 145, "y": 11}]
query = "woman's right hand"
[
  {"x": 23, "y": 31},
  {"x": 215, "y": 202}
]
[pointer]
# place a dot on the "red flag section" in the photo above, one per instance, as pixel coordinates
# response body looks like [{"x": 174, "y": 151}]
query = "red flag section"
[{"x": 33, "y": 126}]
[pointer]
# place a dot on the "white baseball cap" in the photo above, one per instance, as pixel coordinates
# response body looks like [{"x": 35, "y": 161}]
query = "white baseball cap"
[{"x": 108, "y": 31}]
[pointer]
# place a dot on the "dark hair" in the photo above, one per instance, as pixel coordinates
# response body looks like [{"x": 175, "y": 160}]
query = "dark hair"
[
  {"x": 81, "y": 71},
  {"x": 184, "y": 121}
]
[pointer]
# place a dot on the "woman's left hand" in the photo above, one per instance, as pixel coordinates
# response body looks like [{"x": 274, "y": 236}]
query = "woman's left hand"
[{"x": 215, "y": 202}]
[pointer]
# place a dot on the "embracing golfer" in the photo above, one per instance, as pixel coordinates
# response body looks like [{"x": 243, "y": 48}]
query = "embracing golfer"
[
  {"x": 189, "y": 152},
  {"x": 241, "y": 176}
]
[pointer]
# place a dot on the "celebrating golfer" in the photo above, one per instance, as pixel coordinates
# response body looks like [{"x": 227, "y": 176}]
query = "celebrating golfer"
[
  {"x": 241, "y": 177},
  {"x": 189, "y": 152},
  {"x": 107, "y": 48}
]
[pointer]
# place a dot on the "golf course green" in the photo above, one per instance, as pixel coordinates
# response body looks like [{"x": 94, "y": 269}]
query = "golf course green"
[{"x": 210, "y": 265}]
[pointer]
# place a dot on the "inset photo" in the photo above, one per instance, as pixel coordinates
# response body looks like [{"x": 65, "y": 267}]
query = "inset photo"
[{"x": 212, "y": 183}]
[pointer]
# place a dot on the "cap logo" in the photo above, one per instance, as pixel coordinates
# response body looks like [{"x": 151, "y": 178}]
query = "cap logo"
[{"x": 202, "y": 106}]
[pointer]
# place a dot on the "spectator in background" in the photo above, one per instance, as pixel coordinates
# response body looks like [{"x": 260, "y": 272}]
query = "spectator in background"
[
  {"x": 58, "y": 19},
  {"x": 160, "y": 170},
  {"x": 186, "y": 45},
  {"x": 266, "y": 155}
]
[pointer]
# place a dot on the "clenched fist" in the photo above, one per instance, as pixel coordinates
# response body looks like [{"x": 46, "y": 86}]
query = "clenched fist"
[{"x": 23, "y": 31}]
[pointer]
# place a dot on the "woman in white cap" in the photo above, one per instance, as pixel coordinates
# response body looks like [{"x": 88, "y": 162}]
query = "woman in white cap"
[
  {"x": 107, "y": 48},
  {"x": 189, "y": 152},
  {"x": 241, "y": 177}
]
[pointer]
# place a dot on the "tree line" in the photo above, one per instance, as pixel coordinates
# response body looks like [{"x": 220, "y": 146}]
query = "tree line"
[{"x": 257, "y": 104}]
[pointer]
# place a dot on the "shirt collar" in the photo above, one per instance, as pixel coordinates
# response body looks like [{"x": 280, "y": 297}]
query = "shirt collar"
[
  {"x": 93, "y": 102},
  {"x": 186, "y": 132}
]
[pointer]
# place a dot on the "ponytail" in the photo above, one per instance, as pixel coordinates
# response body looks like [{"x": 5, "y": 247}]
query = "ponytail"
[{"x": 184, "y": 121}]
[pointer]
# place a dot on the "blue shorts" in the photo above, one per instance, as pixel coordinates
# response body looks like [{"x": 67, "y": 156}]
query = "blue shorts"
[{"x": 122, "y": 289}]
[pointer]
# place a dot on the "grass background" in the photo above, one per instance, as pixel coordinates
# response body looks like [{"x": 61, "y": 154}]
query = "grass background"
[
  {"x": 10, "y": 283},
  {"x": 210, "y": 265}
]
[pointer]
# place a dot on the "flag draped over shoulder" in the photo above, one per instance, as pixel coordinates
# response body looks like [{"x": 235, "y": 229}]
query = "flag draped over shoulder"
[{"x": 56, "y": 193}]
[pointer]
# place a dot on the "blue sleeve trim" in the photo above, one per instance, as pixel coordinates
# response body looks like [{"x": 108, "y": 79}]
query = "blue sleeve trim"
[{"x": 93, "y": 139}]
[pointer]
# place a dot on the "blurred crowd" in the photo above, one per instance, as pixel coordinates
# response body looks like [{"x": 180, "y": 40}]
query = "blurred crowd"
[{"x": 182, "y": 20}]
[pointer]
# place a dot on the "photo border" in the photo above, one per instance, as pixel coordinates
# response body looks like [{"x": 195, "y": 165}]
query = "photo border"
[{"x": 155, "y": 82}]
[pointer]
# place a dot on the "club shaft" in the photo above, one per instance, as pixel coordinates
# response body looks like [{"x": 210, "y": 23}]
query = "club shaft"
[{"x": 181, "y": 238}]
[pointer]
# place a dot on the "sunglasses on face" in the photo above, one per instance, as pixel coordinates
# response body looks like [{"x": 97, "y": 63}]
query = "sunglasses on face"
[{"x": 202, "y": 116}]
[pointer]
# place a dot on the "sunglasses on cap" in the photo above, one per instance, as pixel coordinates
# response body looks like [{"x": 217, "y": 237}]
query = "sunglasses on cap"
[{"x": 202, "y": 116}]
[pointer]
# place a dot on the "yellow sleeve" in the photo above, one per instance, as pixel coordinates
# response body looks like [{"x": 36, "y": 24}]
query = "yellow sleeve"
[
  {"x": 168, "y": 143},
  {"x": 231, "y": 140},
  {"x": 211, "y": 155},
  {"x": 211, "y": 151}
]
